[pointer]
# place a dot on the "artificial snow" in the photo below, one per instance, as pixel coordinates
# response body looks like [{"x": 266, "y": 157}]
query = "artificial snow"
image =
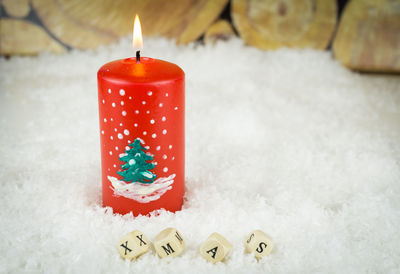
[{"x": 287, "y": 141}]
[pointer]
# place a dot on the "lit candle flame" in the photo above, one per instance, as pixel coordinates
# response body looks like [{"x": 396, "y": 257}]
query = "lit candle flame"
[{"x": 137, "y": 42}]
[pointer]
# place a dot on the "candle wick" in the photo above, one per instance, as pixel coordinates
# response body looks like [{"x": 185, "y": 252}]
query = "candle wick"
[{"x": 138, "y": 56}]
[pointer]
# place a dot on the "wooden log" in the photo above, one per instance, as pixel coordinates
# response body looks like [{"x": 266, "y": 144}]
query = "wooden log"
[
  {"x": 220, "y": 30},
  {"x": 21, "y": 37},
  {"x": 368, "y": 37},
  {"x": 87, "y": 24},
  {"x": 271, "y": 24}
]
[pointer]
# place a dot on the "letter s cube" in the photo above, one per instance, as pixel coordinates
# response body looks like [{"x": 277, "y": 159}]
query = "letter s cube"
[
  {"x": 169, "y": 243},
  {"x": 258, "y": 243}
]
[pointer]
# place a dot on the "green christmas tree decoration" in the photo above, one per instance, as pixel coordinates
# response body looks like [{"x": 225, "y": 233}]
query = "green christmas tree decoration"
[{"x": 137, "y": 165}]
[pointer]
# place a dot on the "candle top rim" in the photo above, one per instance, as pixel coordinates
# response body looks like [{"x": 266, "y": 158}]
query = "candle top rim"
[{"x": 148, "y": 70}]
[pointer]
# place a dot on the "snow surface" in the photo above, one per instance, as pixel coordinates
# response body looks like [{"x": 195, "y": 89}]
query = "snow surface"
[{"x": 288, "y": 142}]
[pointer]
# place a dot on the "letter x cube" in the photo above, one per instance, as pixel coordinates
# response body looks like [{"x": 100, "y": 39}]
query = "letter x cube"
[{"x": 133, "y": 245}]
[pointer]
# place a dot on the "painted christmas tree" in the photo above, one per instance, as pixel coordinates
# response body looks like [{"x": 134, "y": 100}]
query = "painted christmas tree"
[{"x": 137, "y": 164}]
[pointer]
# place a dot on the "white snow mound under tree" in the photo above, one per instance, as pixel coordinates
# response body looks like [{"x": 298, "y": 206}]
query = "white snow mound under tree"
[
  {"x": 286, "y": 141},
  {"x": 142, "y": 193}
]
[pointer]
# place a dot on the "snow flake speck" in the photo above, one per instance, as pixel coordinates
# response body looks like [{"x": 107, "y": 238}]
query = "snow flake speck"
[
  {"x": 113, "y": 105},
  {"x": 126, "y": 132},
  {"x": 130, "y": 98},
  {"x": 144, "y": 133},
  {"x": 120, "y": 136},
  {"x": 176, "y": 108},
  {"x": 116, "y": 148},
  {"x": 109, "y": 91},
  {"x": 121, "y": 124},
  {"x": 127, "y": 148},
  {"x": 115, "y": 129},
  {"x": 154, "y": 135},
  {"x": 143, "y": 102},
  {"x": 164, "y": 131},
  {"x": 114, "y": 165},
  {"x": 170, "y": 146},
  {"x": 158, "y": 148},
  {"x": 103, "y": 101},
  {"x": 122, "y": 103},
  {"x": 137, "y": 111},
  {"x": 166, "y": 94},
  {"x": 147, "y": 147},
  {"x": 105, "y": 120},
  {"x": 122, "y": 92},
  {"x": 110, "y": 152},
  {"x": 112, "y": 138},
  {"x": 112, "y": 119},
  {"x": 135, "y": 125},
  {"x": 173, "y": 158},
  {"x": 124, "y": 113},
  {"x": 152, "y": 121},
  {"x": 160, "y": 105},
  {"x": 148, "y": 112},
  {"x": 150, "y": 93},
  {"x": 163, "y": 119},
  {"x": 129, "y": 142},
  {"x": 165, "y": 169},
  {"x": 164, "y": 156},
  {"x": 102, "y": 132}
]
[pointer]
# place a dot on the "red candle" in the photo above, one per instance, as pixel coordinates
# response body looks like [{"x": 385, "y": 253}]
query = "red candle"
[{"x": 142, "y": 116}]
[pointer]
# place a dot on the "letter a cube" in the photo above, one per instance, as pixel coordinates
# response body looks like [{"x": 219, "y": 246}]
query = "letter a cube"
[
  {"x": 133, "y": 245},
  {"x": 169, "y": 243},
  {"x": 259, "y": 243},
  {"x": 215, "y": 248}
]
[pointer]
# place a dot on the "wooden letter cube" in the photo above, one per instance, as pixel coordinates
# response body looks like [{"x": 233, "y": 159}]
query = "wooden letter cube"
[
  {"x": 215, "y": 248},
  {"x": 169, "y": 243},
  {"x": 259, "y": 243},
  {"x": 133, "y": 245}
]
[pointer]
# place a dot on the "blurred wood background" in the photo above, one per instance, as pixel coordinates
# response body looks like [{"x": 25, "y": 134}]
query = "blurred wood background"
[{"x": 363, "y": 34}]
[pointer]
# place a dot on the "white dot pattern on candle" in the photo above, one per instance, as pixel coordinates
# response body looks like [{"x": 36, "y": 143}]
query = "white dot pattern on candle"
[
  {"x": 121, "y": 124},
  {"x": 135, "y": 124},
  {"x": 170, "y": 146},
  {"x": 115, "y": 129},
  {"x": 114, "y": 165},
  {"x": 110, "y": 152},
  {"x": 126, "y": 132},
  {"x": 148, "y": 112},
  {"x": 120, "y": 136},
  {"x": 103, "y": 101},
  {"x": 122, "y": 92},
  {"x": 164, "y": 131},
  {"x": 116, "y": 148},
  {"x": 150, "y": 93},
  {"x": 166, "y": 94},
  {"x": 160, "y": 105},
  {"x": 112, "y": 119},
  {"x": 109, "y": 91},
  {"x": 165, "y": 169},
  {"x": 144, "y": 133},
  {"x": 137, "y": 111},
  {"x": 102, "y": 132},
  {"x": 143, "y": 102},
  {"x": 176, "y": 108},
  {"x": 112, "y": 138},
  {"x": 124, "y": 113},
  {"x": 105, "y": 120},
  {"x": 152, "y": 121},
  {"x": 158, "y": 148},
  {"x": 113, "y": 105},
  {"x": 164, "y": 119},
  {"x": 127, "y": 148},
  {"x": 164, "y": 156},
  {"x": 154, "y": 135},
  {"x": 130, "y": 98},
  {"x": 122, "y": 103}
]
